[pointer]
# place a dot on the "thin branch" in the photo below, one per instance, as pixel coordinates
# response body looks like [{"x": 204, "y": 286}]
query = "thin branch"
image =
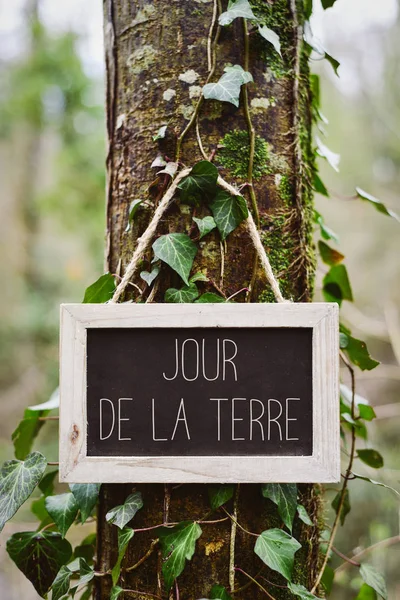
[
  {"x": 382, "y": 544},
  {"x": 238, "y": 524},
  {"x": 141, "y": 594},
  {"x": 345, "y": 558},
  {"x": 145, "y": 557},
  {"x": 256, "y": 582},
  {"x": 233, "y": 540},
  {"x": 342, "y": 496},
  {"x": 55, "y": 418}
]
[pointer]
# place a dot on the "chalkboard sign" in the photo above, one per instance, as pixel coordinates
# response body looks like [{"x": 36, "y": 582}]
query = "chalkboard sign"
[{"x": 200, "y": 393}]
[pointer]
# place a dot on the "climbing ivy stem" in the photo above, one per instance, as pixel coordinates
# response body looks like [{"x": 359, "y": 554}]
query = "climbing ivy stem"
[
  {"x": 233, "y": 540},
  {"x": 356, "y": 557},
  {"x": 238, "y": 524},
  {"x": 255, "y": 582},
  {"x": 145, "y": 557},
  {"x": 250, "y": 127},
  {"x": 342, "y": 496}
]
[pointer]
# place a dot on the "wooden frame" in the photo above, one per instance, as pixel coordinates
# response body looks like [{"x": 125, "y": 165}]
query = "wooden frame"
[{"x": 322, "y": 466}]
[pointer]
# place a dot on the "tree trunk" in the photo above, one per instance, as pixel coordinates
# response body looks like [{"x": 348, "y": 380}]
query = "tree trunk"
[{"x": 159, "y": 55}]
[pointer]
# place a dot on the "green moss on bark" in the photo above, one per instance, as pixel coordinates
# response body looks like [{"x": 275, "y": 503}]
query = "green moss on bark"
[{"x": 235, "y": 151}]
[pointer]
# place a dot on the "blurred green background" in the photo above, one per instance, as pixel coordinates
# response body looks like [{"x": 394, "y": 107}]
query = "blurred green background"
[{"x": 52, "y": 154}]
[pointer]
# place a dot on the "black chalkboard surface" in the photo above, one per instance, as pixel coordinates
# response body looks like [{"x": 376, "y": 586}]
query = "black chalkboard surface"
[{"x": 199, "y": 391}]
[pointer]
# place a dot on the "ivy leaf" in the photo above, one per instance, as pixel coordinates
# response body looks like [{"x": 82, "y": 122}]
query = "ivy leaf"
[
  {"x": 335, "y": 64},
  {"x": 236, "y": 9},
  {"x": 276, "y": 548},
  {"x": 331, "y": 157},
  {"x": 133, "y": 208},
  {"x": 86, "y": 495},
  {"x": 356, "y": 350},
  {"x": 227, "y": 88},
  {"x": 46, "y": 485},
  {"x": 100, "y": 291},
  {"x": 209, "y": 298},
  {"x": 116, "y": 592},
  {"x": 319, "y": 186},
  {"x": 17, "y": 481},
  {"x": 336, "y": 285},
  {"x": 122, "y": 514},
  {"x": 376, "y": 203},
  {"x": 187, "y": 294},
  {"x": 366, "y": 593},
  {"x": 220, "y": 494},
  {"x": 178, "y": 251},
  {"x": 63, "y": 510},
  {"x": 366, "y": 412},
  {"x": 303, "y": 515},
  {"x": 379, "y": 483},
  {"x": 205, "y": 225},
  {"x": 301, "y": 592},
  {"x": 218, "y": 592},
  {"x": 271, "y": 37},
  {"x": 158, "y": 162},
  {"x": 228, "y": 211},
  {"x": 329, "y": 255},
  {"x": 370, "y": 457},
  {"x": 86, "y": 574},
  {"x": 170, "y": 169},
  {"x": 199, "y": 276},
  {"x": 40, "y": 556},
  {"x": 374, "y": 579},
  {"x": 60, "y": 585},
  {"x": 24, "y": 435},
  {"x": 178, "y": 545},
  {"x": 160, "y": 135},
  {"x": 200, "y": 183},
  {"x": 326, "y": 232},
  {"x": 345, "y": 508},
  {"x": 327, "y": 579},
  {"x": 124, "y": 537},
  {"x": 52, "y": 403},
  {"x": 86, "y": 548},
  {"x": 327, "y": 3},
  {"x": 284, "y": 495},
  {"x": 150, "y": 277}
]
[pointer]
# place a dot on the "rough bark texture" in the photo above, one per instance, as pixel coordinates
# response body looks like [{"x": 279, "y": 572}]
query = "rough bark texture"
[{"x": 156, "y": 54}]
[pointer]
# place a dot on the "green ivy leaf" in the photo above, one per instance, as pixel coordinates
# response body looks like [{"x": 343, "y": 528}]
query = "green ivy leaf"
[
  {"x": 301, "y": 592},
  {"x": 276, "y": 548},
  {"x": 150, "y": 277},
  {"x": 17, "y": 481},
  {"x": 24, "y": 435},
  {"x": 326, "y": 232},
  {"x": 178, "y": 545},
  {"x": 46, "y": 485},
  {"x": 209, "y": 298},
  {"x": 100, "y": 291},
  {"x": 331, "y": 157},
  {"x": 200, "y": 184},
  {"x": 236, "y": 9},
  {"x": 40, "y": 556},
  {"x": 60, "y": 586},
  {"x": 378, "y": 204},
  {"x": 227, "y": 88},
  {"x": 370, "y": 457},
  {"x": 327, "y": 3},
  {"x": 205, "y": 225},
  {"x": 228, "y": 211},
  {"x": 86, "y": 548},
  {"x": 178, "y": 251},
  {"x": 329, "y": 255},
  {"x": 366, "y": 593},
  {"x": 63, "y": 510},
  {"x": 122, "y": 514},
  {"x": 199, "y": 276},
  {"x": 133, "y": 208},
  {"x": 366, "y": 412},
  {"x": 284, "y": 495},
  {"x": 124, "y": 537},
  {"x": 319, "y": 186},
  {"x": 186, "y": 294},
  {"x": 86, "y": 574},
  {"x": 218, "y": 592},
  {"x": 86, "y": 495},
  {"x": 336, "y": 285},
  {"x": 116, "y": 592},
  {"x": 220, "y": 494},
  {"x": 303, "y": 515},
  {"x": 327, "y": 579},
  {"x": 271, "y": 37},
  {"x": 345, "y": 508},
  {"x": 379, "y": 483},
  {"x": 356, "y": 350},
  {"x": 160, "y": 135},
  {"x": 335, "y": 64},
  {"x": 374, "y": 579}
]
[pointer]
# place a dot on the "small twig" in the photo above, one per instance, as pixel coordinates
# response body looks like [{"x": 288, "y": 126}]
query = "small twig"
[
  {"x": 221, "y": 275},
  {"x": 233, "y": 540},
  {"x": 48, "y": 526},
  {"x": 382, "y": 544},
  {"x": 256, "y": 582},
  {"x": 345, "y": 558},
  {"x": 155, "y": 527},
  {"x": 145, "y": 557},
  {"x": 140, "y": 594},
  {"x": 212, "y": 522},
  {"x": 53, "y": 464},
  {"x": 48, "y": 418},
  {"x": 177, "y": 596},
  {"x": 153, "y": 292},
  {"x": 245, "y": 289},
  {"x": 238, "y": 524},
  {"x": 342, "y": 496}
]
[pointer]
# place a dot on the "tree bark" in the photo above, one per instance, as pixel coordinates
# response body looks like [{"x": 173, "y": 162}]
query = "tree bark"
[{"x": 158, "y": 56}]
